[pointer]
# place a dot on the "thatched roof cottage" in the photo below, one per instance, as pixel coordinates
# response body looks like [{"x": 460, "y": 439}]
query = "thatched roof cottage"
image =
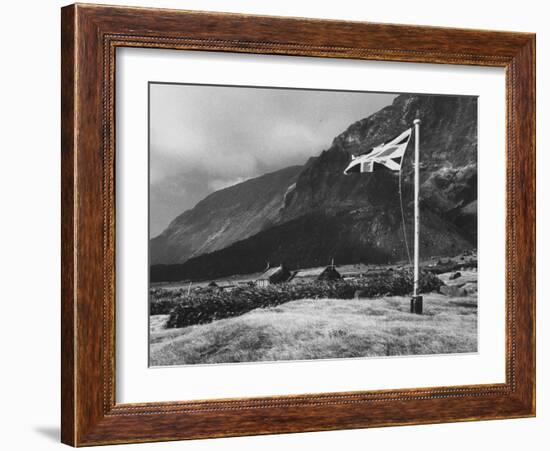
[{"x": 270, "y": 276}]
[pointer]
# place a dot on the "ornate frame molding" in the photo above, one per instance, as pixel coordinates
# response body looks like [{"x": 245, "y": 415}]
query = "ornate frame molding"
[{"x": 90, "y": 37}]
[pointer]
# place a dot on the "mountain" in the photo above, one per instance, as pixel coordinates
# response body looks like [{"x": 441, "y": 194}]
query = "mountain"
[
  {"x": 357, "y": 217},
  {"x": 448, "y": 145},
  {"x": 224, "y": 217},
  {"x": 313, "y": 240}
]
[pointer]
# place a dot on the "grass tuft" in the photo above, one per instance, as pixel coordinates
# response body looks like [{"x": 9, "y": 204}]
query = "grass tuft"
[{"x": 322, "y": 329}]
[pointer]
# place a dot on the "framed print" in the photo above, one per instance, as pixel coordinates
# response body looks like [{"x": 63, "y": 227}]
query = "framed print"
[{"x": 279, "y": 225}]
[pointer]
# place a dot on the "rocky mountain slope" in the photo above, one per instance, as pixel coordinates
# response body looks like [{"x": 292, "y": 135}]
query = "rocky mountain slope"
[
  {"x": 224, "y": 217},
  {"x": 313, "y": 213},
  {"x": 448, "y": 159}
]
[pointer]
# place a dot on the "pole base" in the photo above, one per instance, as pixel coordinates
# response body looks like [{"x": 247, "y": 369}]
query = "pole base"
[{"x": 416, "y": 305}]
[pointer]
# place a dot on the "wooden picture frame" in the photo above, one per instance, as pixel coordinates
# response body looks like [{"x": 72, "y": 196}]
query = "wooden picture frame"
[{"x": 90, "y": 35}]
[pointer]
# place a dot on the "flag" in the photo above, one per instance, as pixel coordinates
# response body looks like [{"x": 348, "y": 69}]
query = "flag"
[{"x": 388, "y": 155}]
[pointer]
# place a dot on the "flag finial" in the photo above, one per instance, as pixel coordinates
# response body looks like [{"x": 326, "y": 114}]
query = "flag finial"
[{"x": 416, "y": 121}]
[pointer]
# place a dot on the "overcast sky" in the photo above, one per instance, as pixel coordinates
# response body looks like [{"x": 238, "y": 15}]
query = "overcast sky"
[{"x": 204, "y": 138}]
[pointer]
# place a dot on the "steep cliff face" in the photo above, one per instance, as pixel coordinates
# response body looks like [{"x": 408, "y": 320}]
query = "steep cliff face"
[
  {"x": 315, "y": 212},
  {"x": 448, "y": 142},
  {"x": 224, "y": 217},
  {"x": 448, "y": 177}
]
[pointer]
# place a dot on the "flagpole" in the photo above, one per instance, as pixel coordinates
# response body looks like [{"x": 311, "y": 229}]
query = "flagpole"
[{"x": 416, "y": 301}]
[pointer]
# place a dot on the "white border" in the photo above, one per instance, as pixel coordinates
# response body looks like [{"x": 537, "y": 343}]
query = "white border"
[{"x": 138, "y": 383}]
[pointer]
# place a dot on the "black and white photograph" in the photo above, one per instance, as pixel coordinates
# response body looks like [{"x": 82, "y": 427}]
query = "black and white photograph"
[
  {"x": 234, "y": 225},
  {"x": 296, "y": 224}
]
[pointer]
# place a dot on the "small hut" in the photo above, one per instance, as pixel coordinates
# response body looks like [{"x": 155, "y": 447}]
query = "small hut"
[
  {"x": 270, "y": 276},
  {"x": 306, "y": 275},
  {"x": 329, "y": 273},
  {"x": 318, "y": 273}
]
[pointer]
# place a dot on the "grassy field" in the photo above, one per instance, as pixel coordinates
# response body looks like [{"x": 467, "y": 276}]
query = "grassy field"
[{"x": 322, "y": 329}]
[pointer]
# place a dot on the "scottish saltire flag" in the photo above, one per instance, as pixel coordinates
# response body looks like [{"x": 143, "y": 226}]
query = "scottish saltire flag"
[{"x": 388, "y": 155}]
